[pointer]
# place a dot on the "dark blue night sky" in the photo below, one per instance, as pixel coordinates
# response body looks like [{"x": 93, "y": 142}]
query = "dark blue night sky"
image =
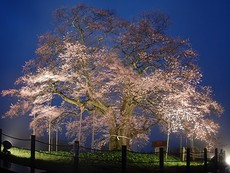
[{"x": 205, "y": 23}]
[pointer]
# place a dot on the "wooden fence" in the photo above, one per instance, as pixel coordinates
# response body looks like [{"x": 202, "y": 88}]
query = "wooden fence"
[{"x": 123, "y": 168}]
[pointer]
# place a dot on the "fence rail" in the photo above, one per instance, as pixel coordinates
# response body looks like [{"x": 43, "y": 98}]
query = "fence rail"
[{"x": 124, "y": 153}]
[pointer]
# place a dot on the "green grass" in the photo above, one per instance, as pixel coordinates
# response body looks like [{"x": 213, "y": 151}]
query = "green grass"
[
  {"x": 21, "y": 153},
  {"x": 100, "y": 161}
]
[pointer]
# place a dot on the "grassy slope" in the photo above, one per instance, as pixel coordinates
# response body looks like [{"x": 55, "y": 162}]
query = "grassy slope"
[{"x": 100, "y": 161}]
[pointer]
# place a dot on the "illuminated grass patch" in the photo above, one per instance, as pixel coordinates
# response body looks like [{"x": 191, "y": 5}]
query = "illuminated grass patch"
[
  {"x": 110, "y": 161},
  {"x": 113, "y": 156}
]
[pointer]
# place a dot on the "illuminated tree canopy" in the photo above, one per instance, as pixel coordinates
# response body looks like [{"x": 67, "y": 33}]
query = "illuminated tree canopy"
[{"x": 125, "y": 77}]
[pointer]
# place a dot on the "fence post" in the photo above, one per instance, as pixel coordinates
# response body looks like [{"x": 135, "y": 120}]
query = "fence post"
[
  {"x": 0, "y": 143},
  {"x": 188, "y": 160},
  {"x": 161, "y": 159},
  {"x": 32, "y": 154},
  {"x": 76, "y": 155},
  {"x": 205, "y": 160},
  {"x": 124, "y": 157},
  {"x": 216, "y": 159}
]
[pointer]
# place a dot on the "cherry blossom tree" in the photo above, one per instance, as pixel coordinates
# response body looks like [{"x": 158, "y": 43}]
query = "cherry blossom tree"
[
  {"x": 189, "y": 112},
  {"x": 125, "y": 77}
]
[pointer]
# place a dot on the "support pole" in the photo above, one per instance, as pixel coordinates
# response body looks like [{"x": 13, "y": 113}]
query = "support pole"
[
  {"x": 49, "y": 135},
  {"x": 167, "y": 144},
  {"x": 93, "y": 132},
  {"x": 181, "y": 148},
  {"x": 56, "y": 141}
]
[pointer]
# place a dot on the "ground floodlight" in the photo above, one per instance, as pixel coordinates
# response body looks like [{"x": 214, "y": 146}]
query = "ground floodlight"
[{"x": 227, "y": 160}]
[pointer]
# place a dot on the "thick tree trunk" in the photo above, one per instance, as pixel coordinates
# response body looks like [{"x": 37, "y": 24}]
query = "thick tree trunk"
[
  {"x": 118, "y": 135},
  {"x": 124, "y": 137},
  {"x": 113, "y": 142},
  {"x": 126, "y": 112},
  {"x": 117, "y": 139},
  {"x": 121, "y": 135}
]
